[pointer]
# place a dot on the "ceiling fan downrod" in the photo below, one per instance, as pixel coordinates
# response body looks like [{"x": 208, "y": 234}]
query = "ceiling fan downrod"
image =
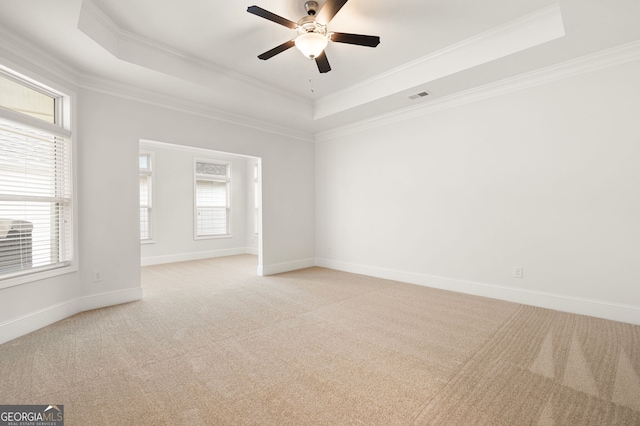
[{"x": 311, "y": 7}]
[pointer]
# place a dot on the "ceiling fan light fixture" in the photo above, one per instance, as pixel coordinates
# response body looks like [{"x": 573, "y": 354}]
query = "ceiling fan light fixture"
[
  {"x": 313, "y": 36},
  {"x": 311, "y": 44}
]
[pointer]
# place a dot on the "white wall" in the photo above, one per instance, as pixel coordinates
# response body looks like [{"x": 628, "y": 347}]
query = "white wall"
[
  {"x": 287, "y": 176},
  {"x": 107, "y": 142},
  {"x": 173, "y": 211},
  {"x": 546, "y": 178}
]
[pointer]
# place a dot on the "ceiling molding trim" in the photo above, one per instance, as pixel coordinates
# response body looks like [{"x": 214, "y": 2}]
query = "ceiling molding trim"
[
  {"x": 126, "y": 46},
  {"x": 514, "y": 36},
  {"x": 590, "y": 63},
  {"x": 545, "y": 14},
  {"x": 26, "y": 58},
  {"x": 18, "y": 50},
  {"x": 91, "y": 8},
  {"x": 149, "y": 97},
  {"x": 147, "y": 44}
]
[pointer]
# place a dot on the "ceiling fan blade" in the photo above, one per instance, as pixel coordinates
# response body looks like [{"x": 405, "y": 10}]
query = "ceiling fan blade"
[
  {"x": 359, "y": 39},
  {"x": 329, "y": 10},
  {"x": 323, "y": 63},
  {"x": 279, "y": 49},
  {"x": 271, "y": 16}
]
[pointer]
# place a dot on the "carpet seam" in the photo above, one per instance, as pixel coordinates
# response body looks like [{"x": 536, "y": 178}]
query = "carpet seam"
[{"x": 467, "y": 362}]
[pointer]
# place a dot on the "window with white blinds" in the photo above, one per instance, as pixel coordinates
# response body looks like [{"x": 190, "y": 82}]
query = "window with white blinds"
[
  {"x": 35, "y": 198},
  {"x": 212, "y": 211},
  {"x": 146, "y": 196}
]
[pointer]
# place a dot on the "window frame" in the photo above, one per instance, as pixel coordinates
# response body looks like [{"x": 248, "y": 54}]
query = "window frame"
[
  {"x": 58, "y": 98},
  {"x": 63, "y": 127},
  {"x": 149, "y": 174},
  {"x": 212, "y": 178}
]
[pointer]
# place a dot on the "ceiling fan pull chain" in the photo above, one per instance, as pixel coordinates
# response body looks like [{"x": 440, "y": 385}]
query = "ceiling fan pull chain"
[{"x": 311, "y": 70}]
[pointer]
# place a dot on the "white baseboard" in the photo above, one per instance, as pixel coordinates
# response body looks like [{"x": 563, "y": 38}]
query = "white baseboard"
[
  {"x": 252, "y": 250},
  {"x": 102, "y": 300},
  {"x": 183, "y": 257},
  {"x": 28, "y": 323},
  {"x": 595, "y": 308},
  {"x": 279, "y": 268},
  {"x": 25, "y": 324}
]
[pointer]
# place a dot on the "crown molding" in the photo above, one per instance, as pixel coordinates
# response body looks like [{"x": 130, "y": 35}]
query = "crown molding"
[
  {"x": 116, "y": 37},
  {"x": 24, "y": 57},
  {"x": 149, "y": 97},
  {"x": 514, "y": 36},
  {"x": 552, "y": 11},
  {"x": 604, "y": 59}
]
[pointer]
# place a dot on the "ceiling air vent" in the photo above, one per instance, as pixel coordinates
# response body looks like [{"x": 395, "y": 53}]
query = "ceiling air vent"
[{"x": 419, "y": 95}]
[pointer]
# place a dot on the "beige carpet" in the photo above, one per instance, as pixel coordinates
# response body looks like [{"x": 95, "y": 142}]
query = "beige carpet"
[{"x": 213, "y": 344}]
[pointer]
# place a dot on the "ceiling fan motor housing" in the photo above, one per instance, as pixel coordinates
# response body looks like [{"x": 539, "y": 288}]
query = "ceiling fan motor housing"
[{"x": 308, "y": 24}]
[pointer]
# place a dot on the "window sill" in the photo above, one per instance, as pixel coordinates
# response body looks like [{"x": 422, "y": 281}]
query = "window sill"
[
  {"x": 212, "y": 237},
  {"x": 27, "y": 278}
]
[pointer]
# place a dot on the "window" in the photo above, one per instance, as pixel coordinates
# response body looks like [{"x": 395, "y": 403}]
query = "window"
[
  {"x": 146, "y": 196},
  {"x": 212, "y": 210},
  {"x": 23, "y": 98},
  {"x": 35, "y": 180}
]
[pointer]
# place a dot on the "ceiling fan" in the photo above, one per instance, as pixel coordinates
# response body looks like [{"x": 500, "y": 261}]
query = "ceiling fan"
[{"x": 313, "y": 35}]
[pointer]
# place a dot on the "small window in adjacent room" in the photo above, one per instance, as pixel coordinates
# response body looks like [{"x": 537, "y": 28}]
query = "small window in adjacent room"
[
  {"x": 146, "y": 196},
  {"x": 211, "y": 199},
  {"x": 36, "y": 206}
]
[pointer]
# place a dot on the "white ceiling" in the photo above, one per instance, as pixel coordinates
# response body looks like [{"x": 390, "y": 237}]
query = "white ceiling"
[{"x": 205, "y": 52}]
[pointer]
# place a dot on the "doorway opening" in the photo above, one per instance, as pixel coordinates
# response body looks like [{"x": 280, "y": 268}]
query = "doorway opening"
[{"x": 198, "y": 204}]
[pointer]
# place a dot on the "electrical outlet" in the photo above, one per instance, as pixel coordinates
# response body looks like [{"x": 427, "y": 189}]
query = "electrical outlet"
[
  {"x": 97, "y": 276},
  {"x": 518, "y": 272}
]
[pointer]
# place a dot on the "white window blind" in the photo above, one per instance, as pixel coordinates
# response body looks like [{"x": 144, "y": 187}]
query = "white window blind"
[
  {"x": 211, "y": 199},
  {"x": 35, "y": 199}
]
